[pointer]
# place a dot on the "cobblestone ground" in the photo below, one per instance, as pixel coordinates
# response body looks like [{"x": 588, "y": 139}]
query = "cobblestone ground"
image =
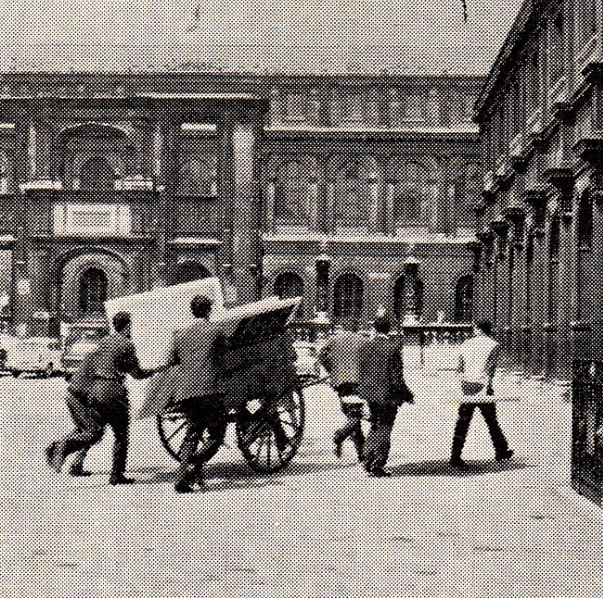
[{"x": 321, "y": 528}]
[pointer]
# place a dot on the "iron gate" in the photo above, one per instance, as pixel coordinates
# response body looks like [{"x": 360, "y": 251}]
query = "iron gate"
[{"x": 587, "y": 429}]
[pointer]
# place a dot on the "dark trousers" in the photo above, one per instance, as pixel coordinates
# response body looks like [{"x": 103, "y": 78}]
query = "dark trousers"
[
  {"x": 100, "y": 413},
  {"x": 202, "y": 413},
  {"x": 378, "y": 441},
  {"x": 462, "y": 427},
  {"x": 80, "y": 413},
  {"x": 353, "y": 427}
]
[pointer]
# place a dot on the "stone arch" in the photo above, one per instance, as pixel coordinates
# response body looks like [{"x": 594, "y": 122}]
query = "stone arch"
[{"x": 69, "y": 267}]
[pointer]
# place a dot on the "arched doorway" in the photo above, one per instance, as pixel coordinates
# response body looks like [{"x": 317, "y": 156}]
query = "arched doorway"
[
  {"x": 463, "y": 304},
  {"x": 348, "y": 293},
  {"x": 189, "y": 271},
  {"x": 400, "y": 298},
  {"x": 93, "y": 291}
]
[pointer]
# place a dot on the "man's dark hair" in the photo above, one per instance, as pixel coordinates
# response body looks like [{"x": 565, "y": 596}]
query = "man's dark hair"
[
  {"x": 201, "y": 306},
  {"x": 485, "y": 326},
  {"x": 120, "y": 320},
  {"x": 382, "y": 325}
]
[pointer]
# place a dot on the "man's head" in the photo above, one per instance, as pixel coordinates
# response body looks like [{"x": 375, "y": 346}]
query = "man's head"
[
  {"x": 483, "y": 327},
  {"x": 122, "y": 323},
  {"x": 201, "y": 306},
  {"x": 382, "y": 325}
]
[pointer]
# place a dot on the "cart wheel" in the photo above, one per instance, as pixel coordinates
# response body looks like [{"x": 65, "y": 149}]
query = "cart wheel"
[
  {"x": 171, "y": 425},
  {"x": 270, "y": 435}
]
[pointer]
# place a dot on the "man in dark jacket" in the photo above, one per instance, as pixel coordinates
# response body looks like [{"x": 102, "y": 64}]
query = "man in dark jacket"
[
  {"x": 196, "y": 351},
  {"x": 108, "y": 398},
  {"x": 82, "y": 413},
  {"x": 339, "y": 356},
  {"x": 382, "y": 386}
]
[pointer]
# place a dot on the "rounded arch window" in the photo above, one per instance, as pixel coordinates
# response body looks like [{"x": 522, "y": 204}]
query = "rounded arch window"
[
  {"x": 403, "y": 296},
  {"x": 97, "y": 174},
  {"x": 415, "y": 191},
  {"x": 463, "y": 306},
  {"x": 93, "y": 291},
  {"x": 351, "y": 204},
  {"x": 189, "y": 271},
  {"x": 348, "y": 294}
]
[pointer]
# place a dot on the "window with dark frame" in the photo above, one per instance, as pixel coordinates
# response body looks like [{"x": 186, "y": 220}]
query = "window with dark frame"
[{"x": 93, "y": 291}]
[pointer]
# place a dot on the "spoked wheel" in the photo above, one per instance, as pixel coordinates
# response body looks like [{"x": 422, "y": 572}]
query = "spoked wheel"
[
  {"x": 172, "y": 425},
  {"x": 269, "y": 431}
]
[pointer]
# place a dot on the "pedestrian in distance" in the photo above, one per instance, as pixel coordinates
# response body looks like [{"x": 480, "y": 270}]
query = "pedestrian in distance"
[
  {"x": 478, "y": 359},
  {"x": 382, "y": 386},
  {"x": 115, "y": 357},
  {"x": 82, "y": 413},
  {"x": 195, "y": 349},
  {"x": 339, "y": 356}
]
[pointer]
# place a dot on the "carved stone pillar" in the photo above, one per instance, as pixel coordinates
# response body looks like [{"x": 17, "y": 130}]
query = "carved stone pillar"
[{"x": 323, "y": 266}]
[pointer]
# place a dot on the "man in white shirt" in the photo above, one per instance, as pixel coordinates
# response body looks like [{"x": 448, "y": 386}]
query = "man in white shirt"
[{"x": 478, "y": 358}]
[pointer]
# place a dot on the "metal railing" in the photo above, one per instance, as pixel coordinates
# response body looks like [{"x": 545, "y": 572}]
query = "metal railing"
[{"x": 587, "y": 429}]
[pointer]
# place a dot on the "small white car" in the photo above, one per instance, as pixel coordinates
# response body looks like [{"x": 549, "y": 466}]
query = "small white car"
[
  {"x": 39, "y": 354},
  {"x": 307, "y": 364}
]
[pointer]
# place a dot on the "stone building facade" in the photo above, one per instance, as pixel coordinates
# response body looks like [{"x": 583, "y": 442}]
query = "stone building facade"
[
  {"x": 353, "y": 190},
  {"x": 540, "y": 220}
]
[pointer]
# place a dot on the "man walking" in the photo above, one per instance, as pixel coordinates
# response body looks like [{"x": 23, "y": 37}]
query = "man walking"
[
  {"x": 382, "y": 386},
  {"x": 478, "y": 358},
  {"x": 197, "y": 349},
  {"x": 339, "y": 356},
  {"x": 82, "y": 413},
  {"x": 108, "y": 399}
]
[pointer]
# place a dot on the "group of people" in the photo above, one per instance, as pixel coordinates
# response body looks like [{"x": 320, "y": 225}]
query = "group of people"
[
  {"x": 97, "y": 396},
  {"x": 371, "y": 372},
  {"x": 362, "y": 371}
]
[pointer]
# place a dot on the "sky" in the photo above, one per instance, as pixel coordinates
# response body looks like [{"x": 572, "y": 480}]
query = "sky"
[{"x": 422, "y": 36}]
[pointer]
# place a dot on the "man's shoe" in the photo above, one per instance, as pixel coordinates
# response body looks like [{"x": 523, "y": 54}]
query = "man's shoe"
[
  {"x": 337, "y": 448},
  {"x": 379, "y": 473},
  {"x": 49, "y": 452},
  {"x": 57, "y": 456},
  {"x": 79, "y": 472},
  {"x": 183, "y": 488},
  {"x": 505, "y": 456},
  {"x": 120, "y": 479},
  {"x": 458, "y": 463}
]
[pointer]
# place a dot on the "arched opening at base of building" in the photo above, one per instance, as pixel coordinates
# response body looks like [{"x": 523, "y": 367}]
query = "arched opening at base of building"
[{"x": 348, "y": 295}]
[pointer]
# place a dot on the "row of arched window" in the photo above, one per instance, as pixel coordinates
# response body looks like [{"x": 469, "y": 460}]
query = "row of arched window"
[
  {"x": 412, "y": 190},
  {"x": 348, "y": 295},
  {"x": 348, "y": 292}
]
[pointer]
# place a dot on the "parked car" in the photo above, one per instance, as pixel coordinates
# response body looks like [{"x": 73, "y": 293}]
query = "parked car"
[
  {"x": 307, "y": 364},
  {"x": 80, "y": 340},
  {"x": 37, "y": 354},
  {"x": 6, "y": 343}
]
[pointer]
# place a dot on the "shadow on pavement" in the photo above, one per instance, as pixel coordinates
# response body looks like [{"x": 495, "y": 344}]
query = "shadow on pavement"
[{"x": 442, "y": 467}]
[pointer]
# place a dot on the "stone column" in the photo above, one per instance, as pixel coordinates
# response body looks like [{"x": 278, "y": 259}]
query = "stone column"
[
  {"x": 411, "y": 277},
  {"x": 374, "y": 197},
  {"x": 390, "y": 214},
  {"x": 313, "y": 185},
  {"x": 323, "y": 266},
  {"x": 245, "y": 217},
  {"x": 270, "y": 193}
]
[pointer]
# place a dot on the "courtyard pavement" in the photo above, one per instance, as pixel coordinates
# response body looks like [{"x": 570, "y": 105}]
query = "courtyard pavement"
[{"x": 321, "y": 528}]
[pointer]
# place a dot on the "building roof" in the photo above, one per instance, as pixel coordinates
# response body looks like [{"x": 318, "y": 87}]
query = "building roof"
[{"x": 266, "y": 36}]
